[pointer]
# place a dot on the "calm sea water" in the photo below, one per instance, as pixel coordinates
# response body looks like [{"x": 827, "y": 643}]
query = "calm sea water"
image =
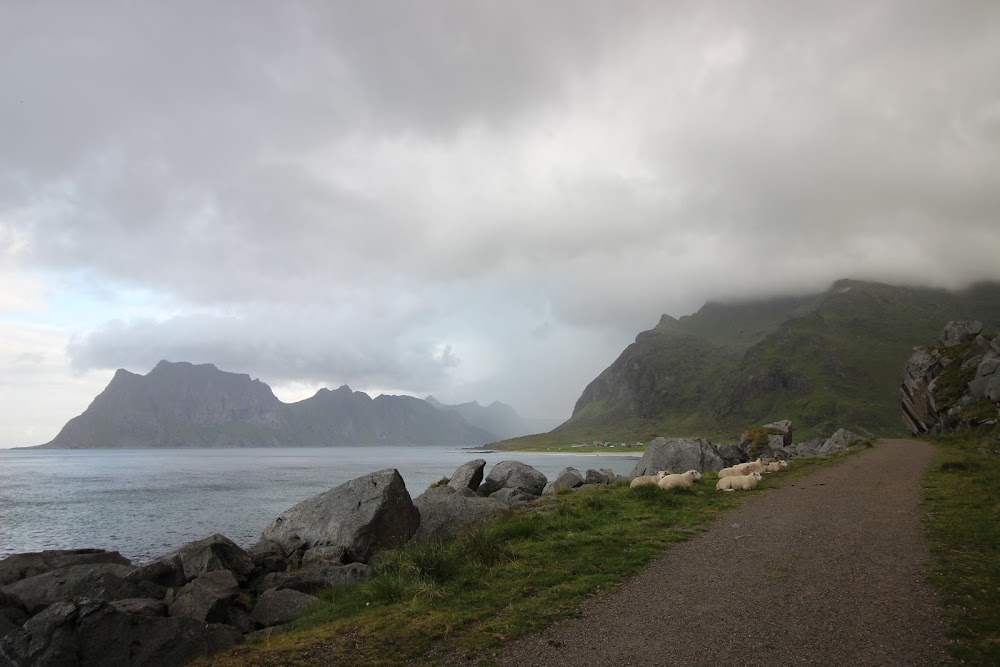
[{"x": 148, "y": 502}]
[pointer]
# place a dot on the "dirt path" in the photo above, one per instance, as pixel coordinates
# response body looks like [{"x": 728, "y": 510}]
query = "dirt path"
[{"x": 827, "y": 570}]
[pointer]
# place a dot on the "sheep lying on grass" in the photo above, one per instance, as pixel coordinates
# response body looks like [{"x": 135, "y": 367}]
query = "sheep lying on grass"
[
  {"x": 683, "y": 480},
  {"x": 742, "y": 469},
  {"x": 652, "y": 480},
  {"x": 776, "y": 466},
  {"x": 739, "y": 483}
]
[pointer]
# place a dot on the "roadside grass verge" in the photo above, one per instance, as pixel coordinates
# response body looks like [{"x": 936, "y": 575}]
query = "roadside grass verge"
[
  {"x": 962, "y": 517},
  {"x": 519, "y": 574}
]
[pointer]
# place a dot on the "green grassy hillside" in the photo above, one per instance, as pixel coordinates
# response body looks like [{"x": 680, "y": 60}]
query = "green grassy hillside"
[{"x": 824, "y": 361}]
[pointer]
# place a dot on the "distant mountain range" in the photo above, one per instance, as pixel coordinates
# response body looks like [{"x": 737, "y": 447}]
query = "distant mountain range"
[
  {"x": 186, "y": 405},
  {"x": 828, "y": 360}
]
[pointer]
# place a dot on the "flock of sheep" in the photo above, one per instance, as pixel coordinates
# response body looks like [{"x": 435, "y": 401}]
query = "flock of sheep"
[{"x": 742, "y": 477}]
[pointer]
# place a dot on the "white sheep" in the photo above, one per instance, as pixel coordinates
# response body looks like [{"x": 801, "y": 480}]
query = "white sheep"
[
  {"x": 755, "y": 466},
  {"x": 735, "y": 471},
  {"x": 742, "y": 483},
  {"x": 652, "y": 480},
  {"x": 776, "y": 466},
  {"x": 681, "y": 480}
]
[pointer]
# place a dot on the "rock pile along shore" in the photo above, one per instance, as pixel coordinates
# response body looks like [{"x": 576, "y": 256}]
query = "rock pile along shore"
[{"x": 90, "y": 606}]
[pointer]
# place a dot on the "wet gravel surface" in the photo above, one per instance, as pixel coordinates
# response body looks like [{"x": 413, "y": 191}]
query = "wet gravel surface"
[{"x": 825, "y": 571}]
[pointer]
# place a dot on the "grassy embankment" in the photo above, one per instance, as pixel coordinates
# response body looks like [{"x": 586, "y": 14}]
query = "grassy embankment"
[
  {"x": 962, "y": 505},
  {"x": 526, "y": 570}
]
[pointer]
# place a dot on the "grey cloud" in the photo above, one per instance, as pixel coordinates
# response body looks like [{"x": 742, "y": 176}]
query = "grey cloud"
[{"x": 424, "y": 170}]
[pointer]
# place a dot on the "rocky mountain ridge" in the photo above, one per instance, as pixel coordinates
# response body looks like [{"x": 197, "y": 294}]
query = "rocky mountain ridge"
[
  {"x": 955, "y": 385},
  {"x": 824, "y": 360},
  {"x": 186, "y": 405}
]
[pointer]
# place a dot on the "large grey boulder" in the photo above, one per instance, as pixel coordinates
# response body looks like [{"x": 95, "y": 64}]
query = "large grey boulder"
[
  {"x": 207, "y": 598},
  {"x": 216, "y": 552},
  {"x": 7, "y": 626},
  {"x": 364, "y": 515},
  {"x": 100, "y": 582},
  {"x": 91, "y": 632},
  {"x": 678, "y": 455},
  {"x": 986, "y": 383},
  {"x": 21, "y": 566},
  {"x": 513, "y": 497},
  {"x": 920, "y": 413},
  {"x": 731, "y": 454},
  {"x": 445, "y": 513},
  {"x": 317, "y": 577},
  {"x": 568, "y": 478},
  {"x": 602, "y": 476},
  {"x": 807, "y": 448},
  {"x": 513, "y": 475},
  {"x": 841, "y": 441},
  {"x": 280, "y": 606},
  {"x": 960, "y": 331},
  {"x": 468, "y": 475},
  {"x": 785, "y": 428}
]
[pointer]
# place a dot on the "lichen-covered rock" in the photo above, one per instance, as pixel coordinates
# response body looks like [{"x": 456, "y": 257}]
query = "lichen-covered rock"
[
  {"x": 513, "y": 475},
  {"x": 363, "y": 516},
  {"x": 678, "y": 455},
  {"x": 468, "y": 475}
]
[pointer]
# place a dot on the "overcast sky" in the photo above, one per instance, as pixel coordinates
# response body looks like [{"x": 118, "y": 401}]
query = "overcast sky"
[{"x": 478, "y": 200}]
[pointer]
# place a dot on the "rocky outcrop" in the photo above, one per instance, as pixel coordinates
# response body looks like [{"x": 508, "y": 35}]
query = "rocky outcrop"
[
  {"x": 21, "y": 566},
  {"x": 316, "y": 577},
  {"x": 513, "y": 475},
  {"x": 213, "y": 553},
  {"x": 92, "y": 632},
  {"x": 678, "y": 455},
  {"x": 99, "y": 582},
  {"x": 363, "y": 516},
  {"x": 954, "y": 386},
  {"x": 841, "y": 441}
]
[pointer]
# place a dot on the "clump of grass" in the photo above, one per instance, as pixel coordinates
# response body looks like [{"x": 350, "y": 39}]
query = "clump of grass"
[
  {"x": 484, "y": 545},
  {"x": 758, "y": 437},
  {"x": 961, "y": 503},
  {"x": 441, "y": 482}
]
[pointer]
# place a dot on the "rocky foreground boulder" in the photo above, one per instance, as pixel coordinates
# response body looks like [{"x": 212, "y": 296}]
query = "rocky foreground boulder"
[
  {"x": 361, "y": 516},
  {"x": 445, "y": 512},
  {"x": 513, "y": 475},
  {"x": 954, "y": 386},
  {"x": 678, "y": 455}
]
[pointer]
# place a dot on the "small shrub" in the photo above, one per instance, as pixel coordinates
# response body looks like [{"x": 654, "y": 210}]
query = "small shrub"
[
  {"x": 441, "y": 482},
  {"x": 758, "y": 437}
]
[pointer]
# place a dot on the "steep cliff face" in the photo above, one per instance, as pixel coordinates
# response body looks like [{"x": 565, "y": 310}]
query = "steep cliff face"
[
  {"x": 824, "y": 360},
  {"x": 953, "y": 386},
  {"x": 184, "y": 405}
]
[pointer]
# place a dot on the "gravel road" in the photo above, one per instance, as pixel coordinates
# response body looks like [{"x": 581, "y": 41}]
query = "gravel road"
[{"x": 825, "y": 571}]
